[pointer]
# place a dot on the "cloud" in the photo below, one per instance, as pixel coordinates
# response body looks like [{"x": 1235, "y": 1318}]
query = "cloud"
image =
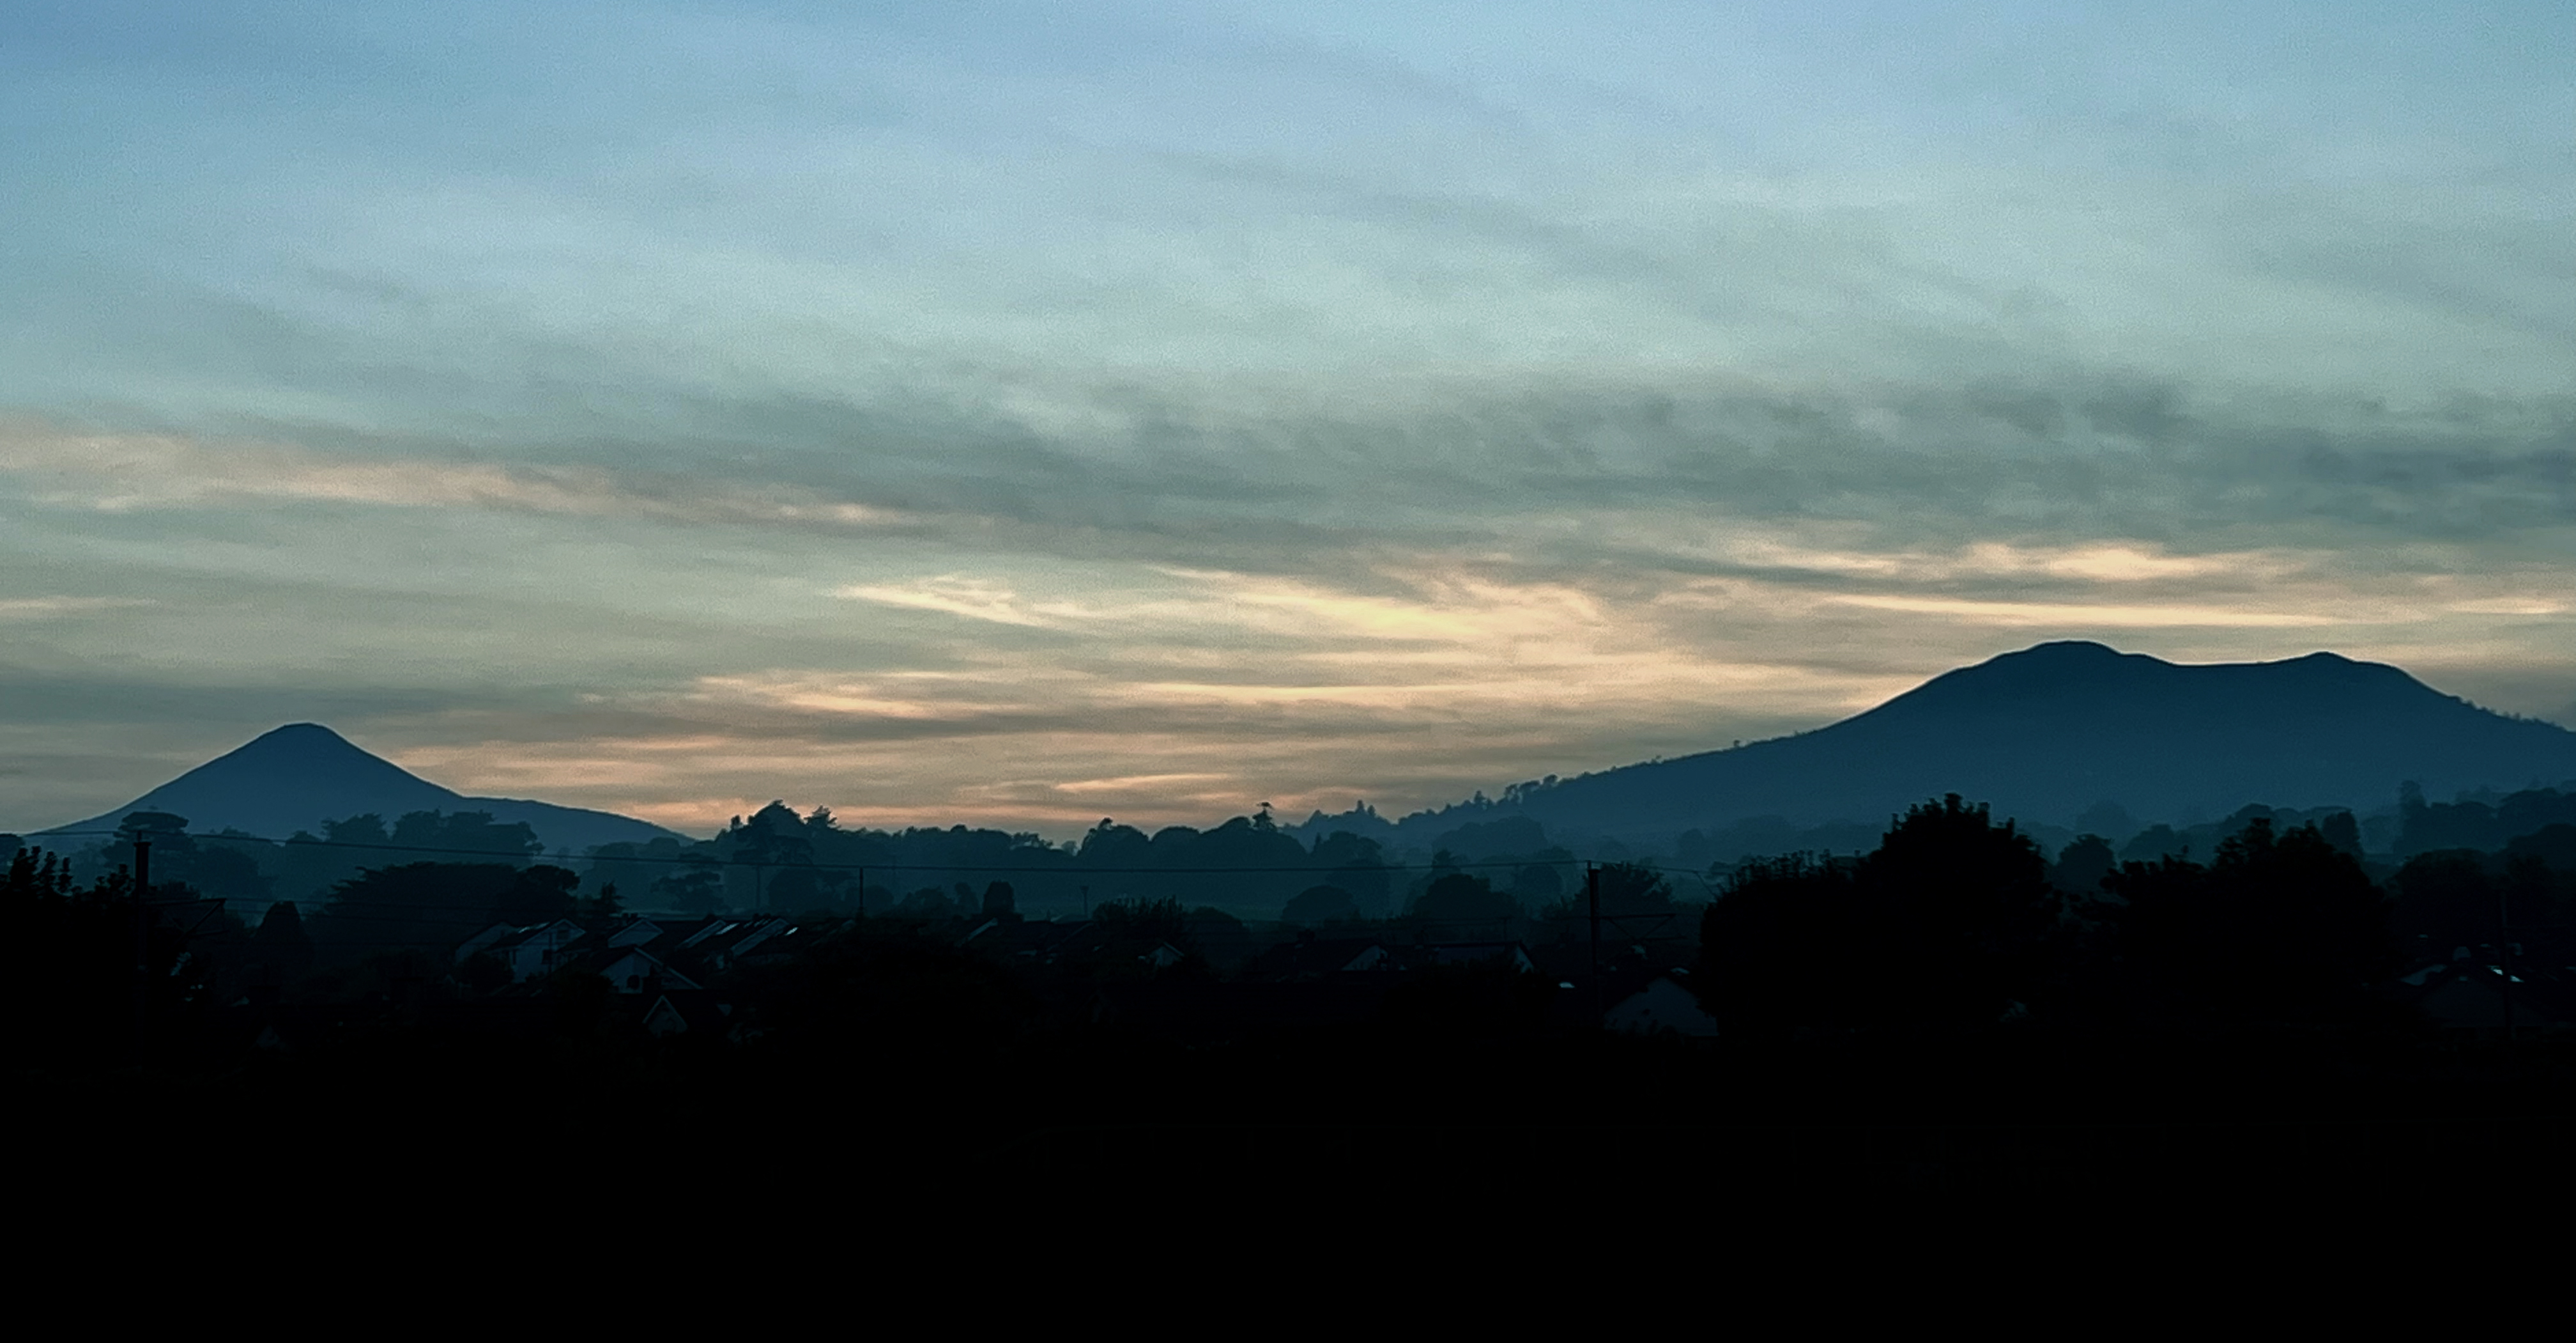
[
  {"x": 1020, "y": 411},
  {"x": 971, "y": 598},
  {"x": 2028, "y": 614},
  {"x": 38, "y": 608},
  {"x": 119, "y": 473}
]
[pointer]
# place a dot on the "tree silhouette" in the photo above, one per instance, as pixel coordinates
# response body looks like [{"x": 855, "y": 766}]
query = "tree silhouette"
[
  {"x": 1457, "y": 907},
  {"x": 280, "y": 952},
  {"x": 1772, "y": 945},
  {"x": 1958, "y": 914},
  {"x": 429, "y": 907},
  {"x": 1947, "y": 923},
  {"x": 1631, "y": 890},
  {"x": 2276, "y": 928},
  {"x": 2082, "y": 865},
  {"x": 1318, "y": 905}
]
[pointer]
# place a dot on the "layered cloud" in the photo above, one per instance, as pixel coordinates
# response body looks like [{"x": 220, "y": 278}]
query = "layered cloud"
[{"x": 1012, "y": 413}]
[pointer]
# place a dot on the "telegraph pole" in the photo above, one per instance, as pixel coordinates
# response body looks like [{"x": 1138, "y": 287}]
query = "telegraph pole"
[
  {"x": 1592, "y": 895},
  {"x": 142, "y": 940},
  {"x": 2504, "y": 954}
]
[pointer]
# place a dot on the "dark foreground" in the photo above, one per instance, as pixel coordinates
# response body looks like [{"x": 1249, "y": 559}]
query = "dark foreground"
[{"x": 1378, "y": 1111}]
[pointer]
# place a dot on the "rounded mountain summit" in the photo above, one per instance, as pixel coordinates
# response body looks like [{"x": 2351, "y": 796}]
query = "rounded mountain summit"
[{"x": 2047, "y": 732}]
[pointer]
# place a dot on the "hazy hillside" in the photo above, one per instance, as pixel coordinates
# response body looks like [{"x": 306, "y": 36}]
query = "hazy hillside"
[
  {"x": 2045, "y": 733},
  {"x": 297, "y": 776}
]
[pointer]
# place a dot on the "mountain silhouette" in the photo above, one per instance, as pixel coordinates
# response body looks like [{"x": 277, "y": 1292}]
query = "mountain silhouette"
[
  {"x": 298, "y": 776},
  {"x": 2045, "y": 733}
]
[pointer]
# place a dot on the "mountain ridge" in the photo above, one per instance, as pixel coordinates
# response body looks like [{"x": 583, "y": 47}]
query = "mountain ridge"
[{"x": 2045, "y": 733}]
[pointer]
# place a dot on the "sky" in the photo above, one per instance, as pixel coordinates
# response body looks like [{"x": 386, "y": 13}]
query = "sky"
[{"x": 1024, "y": 414}]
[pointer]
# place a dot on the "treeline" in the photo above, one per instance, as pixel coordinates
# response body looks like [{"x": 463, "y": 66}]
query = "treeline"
[
  {"x": 1955, "y": 920},
  {"x": 779, "y": 861},
  {"x": 2411, "y": 825}
]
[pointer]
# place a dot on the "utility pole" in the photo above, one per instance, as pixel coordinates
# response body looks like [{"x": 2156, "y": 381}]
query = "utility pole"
[
  {"x": 1592, "y": 895},
  {"x": 2504, "y": 954},
  {"x": 142, "y": 940}
]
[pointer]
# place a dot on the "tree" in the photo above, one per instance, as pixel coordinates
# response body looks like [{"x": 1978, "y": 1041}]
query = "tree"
[
  {"x": 2445, "y": 898},
  {"x": 2082, "y": 865},
  {"x": 1959, "y": 911},
  {"x": 280, "y": 951},
  {"x": 928, "y": 905},
  {"x": 2343, "y": 832},
  {"x": 430, "y": 906},
  {"x": 1127, "y": 940},
  {"x": 1770, "y": 944},
  {"x": 1540, "y": 885},
  {"x": 605, "y": 905},
  {"x": 1633, "y": 890},
  {"x": 1947, "y": 923},
  {"x": 774, "y": 837},
  {"x": 2280, "y": 927},
  {"x": 464, "y": 832},
  {"x": 1319, "y": 905},
  {"x": 538, "y": 894},
  {"x": 1459, "y": 907},
  {"x": 2152, "y": 843},
  {"x": 75, "y": 1005},
  {"x": 1112, "y": 845},
  {"x": 695, "y": 886}
]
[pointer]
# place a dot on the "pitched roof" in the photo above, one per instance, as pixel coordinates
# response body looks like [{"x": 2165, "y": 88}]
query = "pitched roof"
[
  {"x": 678, "y": 1011},
  {"x": 1309, "y": 958}
]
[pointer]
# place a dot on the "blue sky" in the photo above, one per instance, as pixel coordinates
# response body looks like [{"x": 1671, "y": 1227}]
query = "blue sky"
[{"x": 1034, "y": 413}]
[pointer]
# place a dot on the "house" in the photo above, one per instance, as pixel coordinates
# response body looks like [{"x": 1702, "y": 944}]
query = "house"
[
  {"x": 775, "y": 946},
  {"x": 1311, "y": 958},
  {"x": 636, "y": 934},
  {"x": 683, "y": 1011},
  {"x": 536, "y": 950},
  {"x": 483, "y": 941},
  {"x": 635, "y": 970},
  {"x": 722, "y": 942},
  {"x": 2473, "y": 997},
  {"x": 1664, "y": 1004},
  {"x": 1022, "y": 941}
]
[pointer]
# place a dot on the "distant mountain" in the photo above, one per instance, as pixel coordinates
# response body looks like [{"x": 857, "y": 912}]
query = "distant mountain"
[
  {"x": 301, "y": 775},
  {"x": 2045, "y": 733}
]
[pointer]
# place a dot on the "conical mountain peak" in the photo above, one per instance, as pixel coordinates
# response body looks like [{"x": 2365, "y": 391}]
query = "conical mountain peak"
[
  {"x": 302, "y": 740},
  {"x": 298, "y": 776}
]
